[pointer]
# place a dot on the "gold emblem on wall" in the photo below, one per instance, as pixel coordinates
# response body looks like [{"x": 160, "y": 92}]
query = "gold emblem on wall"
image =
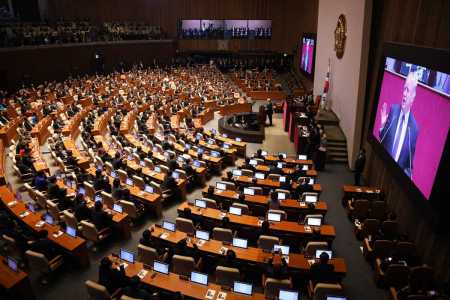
[{"x": 340, "y": 35}]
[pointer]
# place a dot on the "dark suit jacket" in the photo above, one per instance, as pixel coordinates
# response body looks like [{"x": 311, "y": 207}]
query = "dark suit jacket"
[
  {"x": 387, "y": 137},
  {"x": 322, "y": 273}
]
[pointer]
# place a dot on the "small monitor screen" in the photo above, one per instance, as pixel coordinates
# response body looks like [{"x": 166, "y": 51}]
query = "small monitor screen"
[
  {"x": 235, "y": 210},
  {"x": 200, "y": 203},
  {"x": 215, "y": 153},
  {"x": 176, "y": 175},
  {"x": 160, "y": 267},
  {"x": 311, "y": 181},
  {"x": 196, "y": 164},
  {"x": 241, "y": 243},
  {"x": 142, "y": 163},
  {"x": 281, "y": 196},
  {"x": 263, "y": 153},
  {"x": 280, "y": 165},
  {"x": 288, "y": 295},
  {"x": 198, "y": 277},
  {"x": 117, "y": 208},
  {"x": 169, "y": 225},
  {"x": 113, "y": 174},
  {"x": 226, "y": 146},
  {"x": 211, "y": 141},
  {"x": 225, "y": 135},
  {"x": 71, "y": 231},
  {"x": 48, "y": 219},
  {"x": 130, "y": 157},
  {"x": 82, "y": 191},
  {"x": 30, "y": 207},
  {"x": 310, "y": 198},
  {"x": 237, "y": 172},
  {"x": 148, "y": 188},
  {"x": 221, "y": 186},
  {"x": 157, "y": 169},
  {"x": 253, "y": 162},
  {"x": 302, "y": 157},
  {"x": 314, "y": 221},
  {"x": 200, "y": 150},
  {"x": 249, "y": 191},
  {"x": 12, "y": 264},
  {"x": 203, "y": 235},
  {"x": 180, "y": 159},
  {"x": 274, "y": 217},
  {"x": 238, "y": 140},
  {"x": 284, "y": 249},
  {"x": 98, "y": 198},
  {"x": 336, "y": 298},
  {"x": 259, "y": 175},
  {"x": 319, "y": 252},
  {"x": 155, "y": 149},
  {"x": 127, "y": 256},
  {"x": 187, "y": 146},
  {"x": 242, "y": 288},
  {"x": 284, "y": 155},
  {"x": 282, "y": 178}
]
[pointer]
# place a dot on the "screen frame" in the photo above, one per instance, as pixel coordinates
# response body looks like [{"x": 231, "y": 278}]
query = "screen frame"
[
  {"x": 309, "y": 35},
  {"x": 435, "y": 59}
]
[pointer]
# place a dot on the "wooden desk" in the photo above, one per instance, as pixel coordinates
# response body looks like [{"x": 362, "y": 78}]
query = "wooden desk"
[
  {"x": 172, "y": 283},
  {"x": 71, "y": 129},
  {"x": 17, "y": 284},
  {"x": 39, "y": 162},
  {"x": 235, "y": 108},
  {"x": 286, "y": 171},
  {"x": 240, "y": 146},
  {"x": 101, "y": 122},
  {"x": 40, "y": 130},
  {"x": 251, "y": 255},
  {"x": 360, "y": 192},
  {"x": 288, "y": 160},
  {"x": 82, "y": 161},
  {"x": 278, "y": 228},
  {"x": 8, "y": 132},
  {"x": 292, "y": 207},
  {"x": 75, "y": 247}
]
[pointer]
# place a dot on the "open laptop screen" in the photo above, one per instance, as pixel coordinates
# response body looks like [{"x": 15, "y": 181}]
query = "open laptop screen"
[
  {"x": 127, "y": 256},
  {"x": 198, "y": 277},
  {"x": 160, "y": 267},
  {"x": 242, "y": 288},
  {"x": 288, "y": 295},
  {"x": 241, "y": 243},
  {"x": 168, "y": 225}
]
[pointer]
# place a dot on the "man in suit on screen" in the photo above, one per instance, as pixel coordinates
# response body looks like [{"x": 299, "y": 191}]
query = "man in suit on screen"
[{"x": 399, "y": 130}]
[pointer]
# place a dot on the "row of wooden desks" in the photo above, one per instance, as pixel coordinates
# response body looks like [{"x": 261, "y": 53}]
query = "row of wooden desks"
[
  {"x": 361, "y": 192},
  {"x": 295, "y": 229},
  {"x": 74, "y": 246},
  {"x": 249, "y": 255},
  {"x": 240, "y": 146},
  {"x": 290, "y": 206}
]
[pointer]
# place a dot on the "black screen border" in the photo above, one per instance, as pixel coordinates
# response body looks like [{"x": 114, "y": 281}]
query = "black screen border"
[{"x": 313, "y": 36}]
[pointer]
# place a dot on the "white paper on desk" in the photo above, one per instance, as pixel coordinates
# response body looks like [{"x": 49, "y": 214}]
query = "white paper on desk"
[
  {"x": 142, "y": 273},
  {"x": 12, "y": 203},
  {"x": 24, "y": 214},
  {"x": 223, "y": 250},
  {"x": 57, "y": 234},
  {"x": 210, "y": 294},
  {"x": 311, "y": 261},
  {"x": 164, "y": 235},
  {"x": 221, "y": 296},
  {"x": 39, "y": 224},
  {"x": 308, "y": 228},
  {"x": 222, "y": 215}
]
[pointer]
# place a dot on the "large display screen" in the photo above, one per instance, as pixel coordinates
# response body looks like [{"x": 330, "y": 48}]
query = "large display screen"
[
  {"x": 412, "y": 119},
  {"x": 225, "y": 29},
  {"x": 307, "y": 54}
]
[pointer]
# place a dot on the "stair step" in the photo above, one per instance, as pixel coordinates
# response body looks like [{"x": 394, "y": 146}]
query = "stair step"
[
  {"x": 337, "y": 154},
  {"x": 337, "y": 160},
  {"x": 336, "y": 149}
]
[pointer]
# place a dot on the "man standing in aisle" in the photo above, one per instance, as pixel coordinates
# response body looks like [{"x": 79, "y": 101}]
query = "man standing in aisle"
[
  {"x": 269, "y": 110},
  {"x": 359, "y": 166}
]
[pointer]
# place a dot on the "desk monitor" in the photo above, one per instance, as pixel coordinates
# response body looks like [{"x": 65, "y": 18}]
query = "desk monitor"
[
  {"x": 259, "y": 175},
  {"x": 283, "y": 154},
  {"x": 117, "y": 208},
  {"x": 225, "y": 135},
  {"x": 242, "y": 288},
  {"x": 200, "y": 150},
  {"x": 310, "y": 197},
  {"x": 166, "y": 155},
  {"x": 314, "y": 221},
  {"x": 129, "y": 181},
  {"x": 279, "y": 165},
  {"x": 30, "y": 207},
  {"x": 329, "y": 297},
  {"x": 274, "y": 217},
  {"x": 142, "y": 163},
  {"x": 168, "y": 225},
  {"x": 175, "y": 175},
  {"x": 157, "y": 169},
  {"x": 98, "y": 198},
  {"x": 200, "y": 203},
  {"x": 311, "y": 181},
  {"x": 249, "y": 191},
  {"x": 199, "y": 136},
  {"x": 12, "y": 264},
  {"x": 113, "y": 174},
  {"x": 196, "y": 164},
  {"x": 319, "y": 252},
  {"x": 288, "y": 295},
  {"x": 148, "y": 189},
  {"x": 302, "y": 157},
  {"x": 198, "y": 277},
  {"x": 130, "y": 157},
  {"x": 210, "y": 141},
  {"x": 180, "y": 159},
  {"x": 284, "y": 249},
  {"x": 81, "y": 190},
  {"x": 215, "y": 154},
  {"x": 155, "y": 149},
  {"x": 160, "y": 267},
  {"x": 264, "y": 153},
  {"x": 281, "y": 196},
  {"x": 253, "y": 162},
  {"x": 237, "y": 172},
  {"x": 241, "y": 243},
  {"x": 305, "y": 168},
  {"x": 127, "y": 256},
  {"x": 283, "y": 179},
  {"x": 235, "y": 210},
  {"x": 187, "y": 146},
  {"x": 201, "y": 234},
  {"x": 71, "y": 231},
  {"x": 238, "y": 139},
  {"x": 221, "y": 186},
  {"x": 48, "y": 219},
  {"x": 226, "y": 146}
]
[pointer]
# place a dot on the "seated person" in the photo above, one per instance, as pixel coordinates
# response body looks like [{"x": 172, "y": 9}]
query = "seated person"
[
  {"x": 81, "y": 211},
  {"x": 135, "y": 290},
  {"x": 229, "y": 260},
  {"x": 322, "y": 271},
  {"x": 101, "y": 218},
  {"x": 100, "y": 182},
  {"x": 70, "y": 159},
  {"x": 40, "y": 181},
  {"x": 117, "y": 162},
  {"x": 274, "y": 203},
  {"x": 116, "y": 189},
  {"x": 277, "y": 267},
  {"x": 111, "y": 278},
  {"x": 169, "y": 183},
  {"x": 44, "y": 246},
  {"x": 146, "y": 238}
]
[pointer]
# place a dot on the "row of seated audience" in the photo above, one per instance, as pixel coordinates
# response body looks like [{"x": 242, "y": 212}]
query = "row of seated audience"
[
  {"x": 16, "y": 34},
  {"x": 212, "y": 32}
]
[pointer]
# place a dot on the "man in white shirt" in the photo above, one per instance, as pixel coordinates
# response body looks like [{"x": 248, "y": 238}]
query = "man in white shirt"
[{"x": 399, "y": 130}]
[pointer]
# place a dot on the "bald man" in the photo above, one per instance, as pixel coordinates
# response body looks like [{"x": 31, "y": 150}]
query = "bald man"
[{"x": 399, "y": 130}]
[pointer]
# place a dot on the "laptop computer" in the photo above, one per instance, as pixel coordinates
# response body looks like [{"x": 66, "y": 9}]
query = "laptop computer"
[
  {"x": 201, "y": 234},
  {"x": 200, "y": 203},
  {"x": 175, "y": 175},
  {"x": 235, "y": 210},
  {"x": 48, "y": 219},
  {"x": 148, "y": 189},
  {"x": 117, "y": 208},
  {"x": 314, "y": 221},
  {"x": 259, "y": 175},
  {"x": 168, "y": 225},
  {"x": 160, "y": 267},
  {"x": 200, "y": 278},
  {"x": 71, "y": 231},
  {"x": 221, "y": 186},
  {"x": 253, "y": 162},
  {"x": 249, "y": 191},
  {"x": 288, "y": 295},
  {"x": 283, "y": 248},
  {"x": 237, "y": 172},
  {"x": 274, "y": 217},
  {"x": 242, "y": 288},
  {"x": 127, "y": 256},
  {"x": 241, "y": 243}
]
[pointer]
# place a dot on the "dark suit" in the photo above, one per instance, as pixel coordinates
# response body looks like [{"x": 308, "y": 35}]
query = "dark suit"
[
  {"x": 322, "y": 273},
  {"x": 408, "y": 148}
]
